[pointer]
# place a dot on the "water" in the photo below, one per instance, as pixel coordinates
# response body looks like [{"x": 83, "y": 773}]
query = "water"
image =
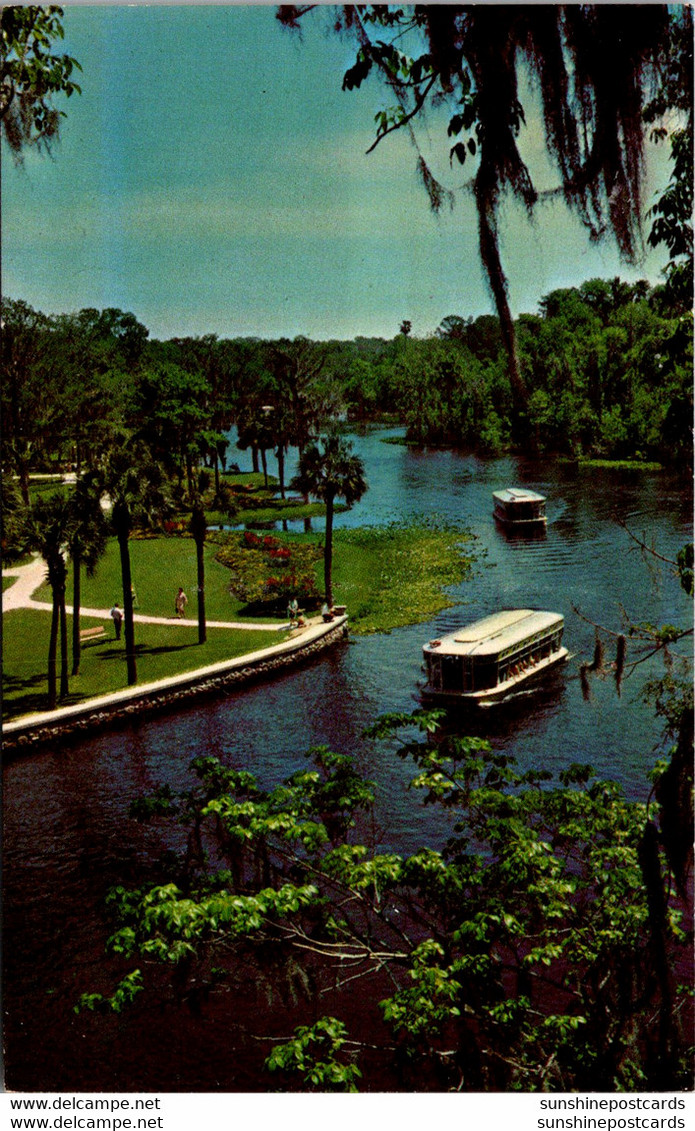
[{"x": 67, "y": 838}]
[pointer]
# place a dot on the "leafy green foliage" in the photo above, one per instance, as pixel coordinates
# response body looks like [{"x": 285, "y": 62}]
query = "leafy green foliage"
[
  {"x": 32, "y": 74},
  {"x": 519, "y": 955},
  {"x": 314, "y": 1052}
]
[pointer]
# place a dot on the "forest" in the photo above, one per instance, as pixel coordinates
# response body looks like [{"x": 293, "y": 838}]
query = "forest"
[
  {"x": 607, "y": 368},
  {"x": 543, "y": 942}
]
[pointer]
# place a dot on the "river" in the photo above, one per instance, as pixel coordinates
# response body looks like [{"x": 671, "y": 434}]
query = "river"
[{"x": 67, "y": 837}]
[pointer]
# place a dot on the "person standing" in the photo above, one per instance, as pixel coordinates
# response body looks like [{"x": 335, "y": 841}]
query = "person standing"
[
  {"x": 181, "y": 602},
  {"x": 117, "y": 616}
]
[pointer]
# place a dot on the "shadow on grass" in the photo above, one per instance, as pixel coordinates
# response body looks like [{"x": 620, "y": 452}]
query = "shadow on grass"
[{"x": 26, "y": 696}]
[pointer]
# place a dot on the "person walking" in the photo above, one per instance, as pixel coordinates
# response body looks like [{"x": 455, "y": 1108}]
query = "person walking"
[
  {"x": 181, "y": 602},
  {"x": 117, "y": 615}
]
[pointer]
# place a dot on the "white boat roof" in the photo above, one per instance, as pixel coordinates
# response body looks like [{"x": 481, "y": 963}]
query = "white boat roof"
[
  {"x": 494, "y": 634},
  {"x": 518, "y": 495}
]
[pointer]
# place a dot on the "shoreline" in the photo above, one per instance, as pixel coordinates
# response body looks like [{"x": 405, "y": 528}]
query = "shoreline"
[{"x": 32, "y": 731}]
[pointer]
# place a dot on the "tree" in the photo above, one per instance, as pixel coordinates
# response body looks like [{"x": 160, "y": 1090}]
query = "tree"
[
  {"x": 169, "y": 413},
  {"x": 25, "y": 336},
  {"x": 134, "y": 485},
  {"x": 672, "y": 213},
  {"x": 87, "y": 542},
  {"x": 329, "y": 471},
  {"x": 518, "y": 956},
  {"x": 48, "y": 528},
  {"x": 198, "y": 527},
  {"x": 31, "y": 74},
  {"x": 594, "y": 69}
]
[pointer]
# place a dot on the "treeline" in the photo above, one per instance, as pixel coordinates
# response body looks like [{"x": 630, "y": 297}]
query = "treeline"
[{"x": 607, "y": 369}]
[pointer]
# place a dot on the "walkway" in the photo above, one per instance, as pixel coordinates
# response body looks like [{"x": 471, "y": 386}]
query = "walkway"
[
  {"x": 101, "y": 710},
  {"x": 31, "y": 576}
]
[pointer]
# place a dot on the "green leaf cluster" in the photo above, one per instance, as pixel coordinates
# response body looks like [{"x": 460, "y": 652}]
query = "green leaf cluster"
[{"x": 519, "y": 954}]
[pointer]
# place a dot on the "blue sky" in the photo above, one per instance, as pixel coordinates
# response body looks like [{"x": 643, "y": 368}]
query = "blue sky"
[{"x": 212, "y": 178}]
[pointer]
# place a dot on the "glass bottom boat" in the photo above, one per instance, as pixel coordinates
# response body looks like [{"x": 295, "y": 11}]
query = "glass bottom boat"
[
  {"x": 519, "y": 509},
  {"x": 488, "y": 660}
]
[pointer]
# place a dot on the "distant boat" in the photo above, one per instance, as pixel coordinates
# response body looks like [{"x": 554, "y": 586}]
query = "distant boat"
[
  {"x": 483, "y": 662},
  {"x": 519, "y": 508}
]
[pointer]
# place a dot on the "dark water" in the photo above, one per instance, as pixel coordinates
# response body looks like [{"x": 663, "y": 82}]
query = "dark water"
[{"x": 67, "y": 838}]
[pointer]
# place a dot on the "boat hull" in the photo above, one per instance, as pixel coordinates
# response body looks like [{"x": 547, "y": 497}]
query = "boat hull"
[
  {"x": 520, "y": 523},
  {"x": 498, "y": 694}
]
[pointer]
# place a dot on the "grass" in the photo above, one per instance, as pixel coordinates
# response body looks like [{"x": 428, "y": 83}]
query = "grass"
[
  {"x": 395, "y": 575},
  {"x": 387, "y": 576},
  {"x": 162, "y": 650},
  {"x": 159, "y": 567},
  {"x": 39, "y": 488},
  {"x": 275, "y": 511},
  {"x": 586, "y": 463}
]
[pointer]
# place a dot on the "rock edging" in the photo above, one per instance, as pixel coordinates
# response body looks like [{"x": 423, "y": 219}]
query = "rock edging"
[{"x": 35, "y": 732}]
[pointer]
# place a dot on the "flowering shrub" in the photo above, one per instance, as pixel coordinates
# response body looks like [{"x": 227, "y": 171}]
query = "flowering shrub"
[{"x": 265, "y": 571}]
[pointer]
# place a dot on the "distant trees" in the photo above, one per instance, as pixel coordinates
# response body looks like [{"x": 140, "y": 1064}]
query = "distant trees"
[
  {"x": 607, "y": 367},
  {"x": 471, "y": 59},
  {"x": 24, "y": 344}
]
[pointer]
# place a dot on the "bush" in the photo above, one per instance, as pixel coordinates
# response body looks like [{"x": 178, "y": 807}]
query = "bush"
[{"x": 268, "y": 572}]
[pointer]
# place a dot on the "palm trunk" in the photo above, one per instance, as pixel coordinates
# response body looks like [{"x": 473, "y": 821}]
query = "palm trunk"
[
  {"x": 200, "y": 561},
  {"x": 64, "y": 686},
  {"x": 52, "y": 652},
  {"x": 328, "y": 553},
  {"x": 128, "y": 626},
  {"x": 76, "y": 599},
  {"x": 189, "y": 473},
  {"x": 198, "y": 529},
  {"x": 24, "y": 483},
  {"x": 281, "y": 468}
]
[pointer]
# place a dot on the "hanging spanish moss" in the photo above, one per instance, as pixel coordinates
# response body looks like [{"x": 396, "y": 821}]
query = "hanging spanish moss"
[
  {"x": 597, "y": 662},
  {"x": 596, "y": 66}
]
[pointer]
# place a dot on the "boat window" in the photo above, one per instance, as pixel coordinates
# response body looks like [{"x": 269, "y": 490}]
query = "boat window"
[
  {"x": 434, "y": 671},
  {"x": 485, "y": 675},
  {"x": 452, "y": 673}
]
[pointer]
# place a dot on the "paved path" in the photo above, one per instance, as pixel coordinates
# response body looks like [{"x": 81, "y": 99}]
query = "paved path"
[{"x": 32, "y": 575}]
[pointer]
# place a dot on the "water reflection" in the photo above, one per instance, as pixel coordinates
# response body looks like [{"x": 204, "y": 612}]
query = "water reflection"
[{"x": 67, "y": 835}]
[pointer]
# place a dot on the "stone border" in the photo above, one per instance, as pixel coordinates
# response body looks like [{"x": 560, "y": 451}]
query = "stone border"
[{"x": 86, "y": 718}]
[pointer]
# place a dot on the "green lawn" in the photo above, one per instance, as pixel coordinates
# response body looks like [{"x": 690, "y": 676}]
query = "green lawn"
[
  {"x": 159, "y": 566},
  {"x": 387, "y": 577},
  {"x": 162, "y": 650},
  {"x": 45, "y": 487}
]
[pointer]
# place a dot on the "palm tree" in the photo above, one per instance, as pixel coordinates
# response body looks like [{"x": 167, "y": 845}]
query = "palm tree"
[
  {"x": 329, "y": 471},
  {"x": 87, "y": 544},
  {"x": 133, "y": 481},
  {"x": 198, "y": 527},
  {"x": 48, "y": 528}
]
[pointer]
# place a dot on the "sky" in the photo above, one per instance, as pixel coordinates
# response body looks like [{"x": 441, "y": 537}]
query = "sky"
[{"x": 212, "y": 177}]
